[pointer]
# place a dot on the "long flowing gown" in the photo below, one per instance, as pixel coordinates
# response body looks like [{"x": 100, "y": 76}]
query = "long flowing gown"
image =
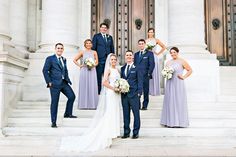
[
  {"x": 154, "y": 83},
  {"x": 88, "y": 93},
  {"x": 175, "y": 110},
  {"x": 105, "y": 124}
]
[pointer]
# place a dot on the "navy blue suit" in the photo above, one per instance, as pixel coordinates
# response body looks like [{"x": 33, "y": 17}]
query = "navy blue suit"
[
  {"x": 130, "y": 100},
  {"x": 103, "y": 48},
  {"x": 58, "y": 76},
  {"x": 145, "y": 64}
]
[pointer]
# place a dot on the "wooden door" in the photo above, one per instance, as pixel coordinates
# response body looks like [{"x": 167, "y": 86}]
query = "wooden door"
[
  {"x": 128, "y": 19},
  {"x": 220, "y": 21}
]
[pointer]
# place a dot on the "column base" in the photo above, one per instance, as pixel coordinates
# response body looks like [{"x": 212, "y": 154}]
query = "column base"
[
  {"x": 50, "y": 48},
  {"x": 1, "y": 133}
]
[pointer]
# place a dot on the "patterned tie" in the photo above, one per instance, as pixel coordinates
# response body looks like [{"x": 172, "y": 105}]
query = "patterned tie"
[
  {"x": 60, "y": 63},
  {"x": 63, "y": 69}
]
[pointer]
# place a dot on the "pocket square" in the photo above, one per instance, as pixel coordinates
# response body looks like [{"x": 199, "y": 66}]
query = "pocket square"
[
  {"x": 145, "y": 57},
  {"x": 133, "y": 72}
]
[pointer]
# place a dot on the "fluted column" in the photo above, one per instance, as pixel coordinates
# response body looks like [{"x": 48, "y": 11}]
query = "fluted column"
[
  {"x": 18, "y": 23},
  {"x": 4, "y": 22},
  {"x": 186, "y": 25},
  {"x": 59, "y": 24}
]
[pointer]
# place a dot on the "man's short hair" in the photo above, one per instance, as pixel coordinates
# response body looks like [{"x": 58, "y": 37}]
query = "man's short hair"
[
  {"x": 104, "y": 24},
  {"x": 58, "y": 44},
  {"x": 141, "y": 40}
]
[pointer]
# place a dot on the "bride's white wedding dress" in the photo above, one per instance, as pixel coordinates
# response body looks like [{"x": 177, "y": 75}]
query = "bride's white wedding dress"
[{"x": 105, "y": 124}]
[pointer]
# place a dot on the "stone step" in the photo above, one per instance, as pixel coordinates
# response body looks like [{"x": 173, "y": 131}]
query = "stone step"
[
  {"x": 18, "y": 146},
  {"x": 213, "y": 142},
  {"x": 84, "y": 122},
  {"x": 144, "y": 132},
  {"x": 144, "y": 114}
]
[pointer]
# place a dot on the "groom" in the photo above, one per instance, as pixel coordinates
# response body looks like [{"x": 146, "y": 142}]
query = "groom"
[
  {"x": 56, "y": 76},
  {"x": 130, "y": 100}
]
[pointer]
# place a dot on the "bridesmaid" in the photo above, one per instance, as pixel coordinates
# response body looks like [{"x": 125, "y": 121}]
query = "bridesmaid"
[
  {"x": 88, "y": 91},
  {"x": 154, "y": 83},
  {"x": 175, "y": 110}
]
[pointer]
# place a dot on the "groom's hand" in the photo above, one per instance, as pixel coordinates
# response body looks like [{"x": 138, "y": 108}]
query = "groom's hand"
[{"x": 150, "y": 76}]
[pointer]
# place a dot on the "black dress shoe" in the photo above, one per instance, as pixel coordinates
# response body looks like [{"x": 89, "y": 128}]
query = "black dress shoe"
[
  {"x": 143, "y": 108},
  {"x": 69, "y": 116},
  {"x": 125, "y": 136},
  {"x": 135, "y": 136},
  {"x": 54, "y": 125}
]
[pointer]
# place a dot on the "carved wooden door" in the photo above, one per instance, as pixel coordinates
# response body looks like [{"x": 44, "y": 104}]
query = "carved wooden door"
[{"x": 128, "y": 20}]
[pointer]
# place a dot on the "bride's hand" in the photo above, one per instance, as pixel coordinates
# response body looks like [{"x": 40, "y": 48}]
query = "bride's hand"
[{"x": 81, "y": 66}]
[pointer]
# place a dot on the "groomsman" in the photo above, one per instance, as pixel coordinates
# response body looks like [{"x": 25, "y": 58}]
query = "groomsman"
[
  {"x": 55, "y": 73},
  {"x": 144, "y": 60},
  {"x": 103, "y": 44}
]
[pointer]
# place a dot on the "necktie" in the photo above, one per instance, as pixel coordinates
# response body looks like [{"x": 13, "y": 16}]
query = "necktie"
[
  {"x": 63, "y": 69},
  {"x": 141, "y": 54},
  {"x": 127, "y": 70},
  {"x": 60, "y": 63},
  {"x": 104, "y": 37}
]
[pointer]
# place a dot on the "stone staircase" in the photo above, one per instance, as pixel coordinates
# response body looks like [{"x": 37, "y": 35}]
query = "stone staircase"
[{"x": 212, "y": 130}]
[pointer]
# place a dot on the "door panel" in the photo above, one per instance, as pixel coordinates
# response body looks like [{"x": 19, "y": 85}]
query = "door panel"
[{"x": 122, "y": 15}]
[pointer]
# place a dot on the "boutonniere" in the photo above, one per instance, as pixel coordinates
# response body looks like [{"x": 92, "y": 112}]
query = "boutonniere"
[
  {"x": 144, "y": 52},
  {"x": 133, "y": 66},
  {"x": 64, "y": 59},
  {"x": 108, "y": 35}
]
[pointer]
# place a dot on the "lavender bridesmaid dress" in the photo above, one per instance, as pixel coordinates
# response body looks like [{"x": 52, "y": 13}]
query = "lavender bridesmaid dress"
[
  {"x": 88, "y": 90},
  {"x": 154, "y": 83},
  {"x": 175, "y": 110}
]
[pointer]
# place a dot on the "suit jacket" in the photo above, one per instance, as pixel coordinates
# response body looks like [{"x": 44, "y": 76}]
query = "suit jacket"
[
  {"x": 103, "y": 48},
  {"x": 146, "y": 63},
  {"x": 135, "y": 80},
  {"x": 53, "y": 72}
]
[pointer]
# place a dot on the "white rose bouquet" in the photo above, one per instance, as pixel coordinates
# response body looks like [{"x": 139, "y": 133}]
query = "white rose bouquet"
[
  {"x": 121, "y": 86},
  {"x": 167, "y": 72},
  {"x": 150, "y": 46},
  {"x": 90, "y": 63}
]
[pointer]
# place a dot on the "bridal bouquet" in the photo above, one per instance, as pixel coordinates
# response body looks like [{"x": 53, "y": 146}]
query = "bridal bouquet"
[
  {"x": 90, "y": 63},
  {"x": 121, "y": 86},
  {"x": 150, "y": 46},
  {"x": 167, "y": 72}
]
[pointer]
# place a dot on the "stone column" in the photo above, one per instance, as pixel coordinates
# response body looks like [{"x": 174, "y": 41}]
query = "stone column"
[
  {"x": 186, "y": 25},
  {"x": 161, "y": 30},
  {"x": 186, "y": 31},
  {"x": 18, "y": 24},
  {"x": 4, "y": 26},
  {"x": 59, "y": 24},
  {"x": 4, "y": 37}
]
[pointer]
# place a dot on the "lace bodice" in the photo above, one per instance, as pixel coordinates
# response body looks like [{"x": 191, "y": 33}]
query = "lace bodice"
[{"x": 114, "y": 75}]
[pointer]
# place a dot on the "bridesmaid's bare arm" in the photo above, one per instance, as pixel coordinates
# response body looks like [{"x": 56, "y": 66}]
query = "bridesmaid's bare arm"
[
  {"x": 106, "y": 81},
  {"x": 188, "y": 68},
  {"x": 96, "y": 58},
  {"x": 77, "y": 57},
  {"x": 163, "y": 47}
]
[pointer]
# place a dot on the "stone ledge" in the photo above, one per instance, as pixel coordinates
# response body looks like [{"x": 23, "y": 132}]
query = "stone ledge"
[{"x": 8, "y": 57}]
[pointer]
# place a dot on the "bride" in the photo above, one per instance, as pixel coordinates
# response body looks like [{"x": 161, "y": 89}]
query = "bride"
[{"x": 106, "y": 122}]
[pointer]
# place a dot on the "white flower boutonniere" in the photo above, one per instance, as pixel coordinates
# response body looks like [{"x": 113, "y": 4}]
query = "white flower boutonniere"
[{"x": 133, "y": 66}]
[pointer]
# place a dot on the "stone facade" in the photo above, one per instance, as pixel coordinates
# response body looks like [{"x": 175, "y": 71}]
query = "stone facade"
[{"x": 29, "y": 30}]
